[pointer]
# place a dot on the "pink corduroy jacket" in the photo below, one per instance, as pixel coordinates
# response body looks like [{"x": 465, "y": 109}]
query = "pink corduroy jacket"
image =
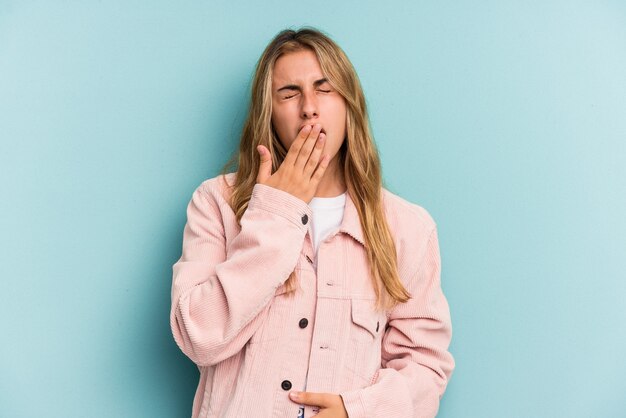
[{"x": 253, "y": 343}]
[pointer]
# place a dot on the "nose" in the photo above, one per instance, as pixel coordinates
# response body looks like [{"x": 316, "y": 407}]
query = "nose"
[{"x": 309, "y": 105}]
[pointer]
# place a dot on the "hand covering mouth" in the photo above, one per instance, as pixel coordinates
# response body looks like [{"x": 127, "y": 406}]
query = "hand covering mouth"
[{"x": 321, "y": 131}]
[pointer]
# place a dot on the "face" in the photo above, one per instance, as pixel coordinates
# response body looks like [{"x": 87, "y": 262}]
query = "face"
[{"x": 301, "y": 95}]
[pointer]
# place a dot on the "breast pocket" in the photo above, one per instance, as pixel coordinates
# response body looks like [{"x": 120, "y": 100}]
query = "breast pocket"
[{"x": 366, "y": 330}]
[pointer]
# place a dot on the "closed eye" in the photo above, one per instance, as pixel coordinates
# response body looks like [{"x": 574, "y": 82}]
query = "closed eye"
[{"x": 293, "y": 95}]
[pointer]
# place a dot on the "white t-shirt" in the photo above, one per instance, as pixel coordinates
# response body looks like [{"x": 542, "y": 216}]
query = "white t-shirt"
[{"x": 327, "y": 216}]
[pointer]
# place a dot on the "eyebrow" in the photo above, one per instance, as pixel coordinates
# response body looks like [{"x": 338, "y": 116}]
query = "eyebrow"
[{"x": 316, "y": 83}]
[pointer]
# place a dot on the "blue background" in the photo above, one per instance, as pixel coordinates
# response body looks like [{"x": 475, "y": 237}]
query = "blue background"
[{"x": 505, "y": 120}]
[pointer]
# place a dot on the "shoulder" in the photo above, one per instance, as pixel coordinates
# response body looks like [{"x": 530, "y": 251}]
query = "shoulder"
[
  {"x": 217, "y": 188},
  {"x": 411, "y": 226},
  {"x": 406, "y": 214}
]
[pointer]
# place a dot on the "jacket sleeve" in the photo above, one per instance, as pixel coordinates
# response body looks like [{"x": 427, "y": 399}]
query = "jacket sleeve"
[
  {"x": 221, "y": 291},
  {"x": 416, "y": 364}
]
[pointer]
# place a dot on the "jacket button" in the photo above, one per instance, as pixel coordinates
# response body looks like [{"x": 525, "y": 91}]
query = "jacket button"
[
  {"x": 303, "y": 323},
  {"x": 286, "y": 385},
  {"x": 305, "y": 219}
]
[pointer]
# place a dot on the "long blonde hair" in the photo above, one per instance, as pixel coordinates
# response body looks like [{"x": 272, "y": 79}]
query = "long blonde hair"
[{"x": 358, "y": 155}]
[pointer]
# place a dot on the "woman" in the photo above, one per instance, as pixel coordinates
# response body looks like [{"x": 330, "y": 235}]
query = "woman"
[{"x": 300, "y": 273}]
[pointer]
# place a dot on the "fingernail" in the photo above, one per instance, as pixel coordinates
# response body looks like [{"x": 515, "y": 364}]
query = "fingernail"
[{"x": 294, "y": 395}]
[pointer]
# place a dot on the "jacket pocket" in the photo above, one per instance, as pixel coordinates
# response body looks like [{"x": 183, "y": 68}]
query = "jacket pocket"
[
  {"x": 366, "y": 332},
  {"x": 364, "y": 316}
]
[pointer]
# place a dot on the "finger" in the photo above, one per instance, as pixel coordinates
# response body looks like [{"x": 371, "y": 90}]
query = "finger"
[
  {"x": 314, "y": 159},
  {"x": 294, "y": 149},
  {"x": 265, "y": 168},
  {"x": 311, "y": 398},
  {"x": 307, "y": 147},
  {"x": 320, "y": 170}
]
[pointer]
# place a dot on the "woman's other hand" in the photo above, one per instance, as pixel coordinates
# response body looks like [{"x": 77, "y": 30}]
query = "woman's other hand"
[
  {"x": 299, "y": 174},
  {"x": 331, "y": 405}
]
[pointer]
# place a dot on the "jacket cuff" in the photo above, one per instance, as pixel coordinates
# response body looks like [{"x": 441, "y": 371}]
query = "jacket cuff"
[
  {"x": 353, "y": 403},
  {"x": 281, "y": 203}
]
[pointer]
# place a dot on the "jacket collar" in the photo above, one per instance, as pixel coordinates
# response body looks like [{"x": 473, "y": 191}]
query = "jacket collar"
[{"x": 351, "y": 223}]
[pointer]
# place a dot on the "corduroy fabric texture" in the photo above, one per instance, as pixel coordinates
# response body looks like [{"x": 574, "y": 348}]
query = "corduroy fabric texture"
[{"x": 253, "y": 343}]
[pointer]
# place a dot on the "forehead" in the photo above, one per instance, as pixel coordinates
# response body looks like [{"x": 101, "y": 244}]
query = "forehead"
[{"x": 300, "y": 67}]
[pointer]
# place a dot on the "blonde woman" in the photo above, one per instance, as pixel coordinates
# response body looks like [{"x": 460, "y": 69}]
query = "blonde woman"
[{"x": 304, "y": 286}]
